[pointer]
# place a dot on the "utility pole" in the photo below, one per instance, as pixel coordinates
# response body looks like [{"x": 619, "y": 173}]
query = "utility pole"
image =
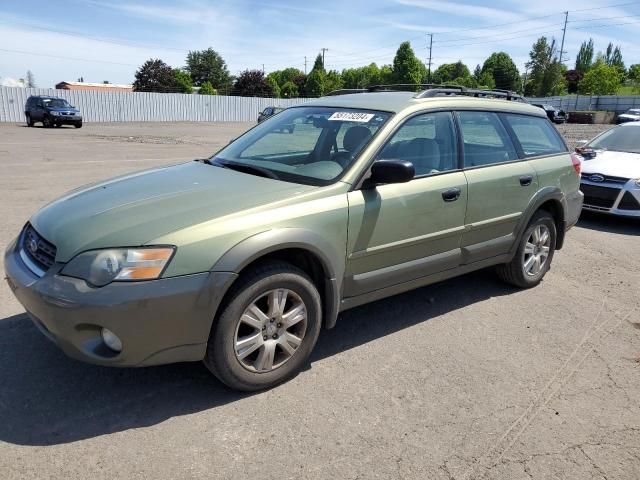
[
  {"x": 564, "y": 32},
  {"x": 263, "y": 68},
  {"x": 323, "y": 50},
  {"x": 430, "y": 52},
  {"x": 305, "y": 65}
]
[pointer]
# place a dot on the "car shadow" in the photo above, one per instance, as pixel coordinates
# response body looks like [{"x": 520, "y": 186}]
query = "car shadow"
[
  {"x": 610, "y": 223},
  {"x": 48, "y": 399}
]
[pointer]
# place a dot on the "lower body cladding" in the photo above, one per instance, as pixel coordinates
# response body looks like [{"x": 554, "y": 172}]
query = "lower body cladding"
[
  {"x": 157, "y": 322},
  {"x": 621, "y": 199},
  {"x": 66, "y": 120}
]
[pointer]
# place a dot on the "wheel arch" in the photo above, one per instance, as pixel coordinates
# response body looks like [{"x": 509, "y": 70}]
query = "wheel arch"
[
  {"x": 302, "y": 248},
  {"x": 552, "y": 200}
]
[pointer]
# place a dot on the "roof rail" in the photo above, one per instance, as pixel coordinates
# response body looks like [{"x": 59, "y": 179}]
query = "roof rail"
[
  {"x": 471, "y": 92},
  {"x": 346, "y": 91},
  {"x": 428, "y": 90}
]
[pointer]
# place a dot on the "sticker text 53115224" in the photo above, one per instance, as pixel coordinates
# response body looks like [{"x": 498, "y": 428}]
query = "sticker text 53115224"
[{"x": 351, "y": 117}]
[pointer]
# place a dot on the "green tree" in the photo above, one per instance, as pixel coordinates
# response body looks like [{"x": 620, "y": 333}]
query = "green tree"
[
  {"x": 486, "y": 80},
  {"x": 386, "y": 74},
  {"x": 362, "y": 77},
  {"x": 634, "y": 72},
  {"x": 182, "y": 81},
  {"x": 584, "y": 59},
  {"x": 208, "y": 66},
  {"x": 252, "y": 83},
  {"x": 274, "y": 86},
  {"x": 407, "y": 68},
  {"x": 601, "y": 79},
  {"x": 314, "y": 86},
  {"x": 448, "y": 72},
  {"x": 547, "y": 74},
  {"x": 289, "y": 90},
  {"x": 504, "y": 72},
  {"x": 154, "y": 76},
  {"x": 300, "y": 82},
  {"x": 332, "y": 81},
  {"x": 613, "y": 58},
  {"x": 207, "y": 89}
]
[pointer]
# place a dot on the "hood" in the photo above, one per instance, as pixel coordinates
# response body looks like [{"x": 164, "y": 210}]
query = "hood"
[
  {"x": 137, "y": 208},
  {"x": 613, "y": 164},
  {"x": 631, "y": 116}
]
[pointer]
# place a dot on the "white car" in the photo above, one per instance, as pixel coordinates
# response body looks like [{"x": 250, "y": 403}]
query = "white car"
[
  {"x": 632, "y": 115},
  {"x": 611, "y": 171}
]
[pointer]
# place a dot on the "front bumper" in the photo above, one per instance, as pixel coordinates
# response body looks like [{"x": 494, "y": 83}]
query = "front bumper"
[
  {"x": 66, "y": 119},
  {"x": 160, "y": 321},
  {"x": 613, "y": 198}
]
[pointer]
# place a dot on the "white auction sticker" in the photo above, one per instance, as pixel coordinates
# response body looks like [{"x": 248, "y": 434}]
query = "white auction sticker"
[{"x": 352, "y": 117}]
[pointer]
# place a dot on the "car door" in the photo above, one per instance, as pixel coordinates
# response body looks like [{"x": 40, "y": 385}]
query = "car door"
[
  {"x": 37, "y": 111},
  {"x": 401, "y": 232},
  {"x": 500, "y": 185}
]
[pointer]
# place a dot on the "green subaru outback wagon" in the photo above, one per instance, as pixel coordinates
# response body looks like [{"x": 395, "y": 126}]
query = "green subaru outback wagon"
[{"x": 240, "y": 259}]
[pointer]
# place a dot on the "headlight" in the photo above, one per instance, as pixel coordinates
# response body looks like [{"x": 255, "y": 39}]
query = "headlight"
[
  {"x": 100, "y": 267},
  {"x": 55, "y": 114}
]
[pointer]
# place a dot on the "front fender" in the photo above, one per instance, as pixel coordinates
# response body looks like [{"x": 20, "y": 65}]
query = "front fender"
[{"x": 330, "y": 257}]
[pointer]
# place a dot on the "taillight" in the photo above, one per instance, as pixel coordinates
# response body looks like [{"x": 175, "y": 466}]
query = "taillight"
[{"x": 577, "y": 163}]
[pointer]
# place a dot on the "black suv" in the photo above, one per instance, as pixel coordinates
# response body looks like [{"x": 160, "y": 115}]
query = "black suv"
[
  {"x": 555, "y": 115},
  {"x": 52, "y": 112}
]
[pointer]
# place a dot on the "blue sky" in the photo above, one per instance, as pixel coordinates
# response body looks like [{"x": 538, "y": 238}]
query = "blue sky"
[{"x": 108, "y": 39}]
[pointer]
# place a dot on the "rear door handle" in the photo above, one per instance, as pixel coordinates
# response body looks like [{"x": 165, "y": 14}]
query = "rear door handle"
[
  {"x": 451, "y": 195},
  {"x": 526, "y": 180}
]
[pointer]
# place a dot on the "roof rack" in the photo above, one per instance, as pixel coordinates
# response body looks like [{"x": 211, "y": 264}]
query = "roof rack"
[
  {"x": 346, "y": 91},
  {"x": 428, "y": 90}
]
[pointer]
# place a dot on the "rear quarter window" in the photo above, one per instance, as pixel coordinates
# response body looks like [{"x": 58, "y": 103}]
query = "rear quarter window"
[{"x": 535, "y": 135}]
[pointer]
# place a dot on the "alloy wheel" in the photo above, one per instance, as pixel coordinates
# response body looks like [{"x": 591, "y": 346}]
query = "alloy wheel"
[
  {"x": 270, "y": 330},
  {"x": 536, "y": 250}
]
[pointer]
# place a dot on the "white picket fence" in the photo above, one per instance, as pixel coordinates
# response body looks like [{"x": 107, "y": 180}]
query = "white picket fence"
[{"x": 144, "y": 107}]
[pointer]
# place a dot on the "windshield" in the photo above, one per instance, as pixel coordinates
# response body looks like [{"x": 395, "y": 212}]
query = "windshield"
[
  {"x": 620, "y": 139},
  {"x": 310, "y": 145},
  {"x": 55, "y": 103}
]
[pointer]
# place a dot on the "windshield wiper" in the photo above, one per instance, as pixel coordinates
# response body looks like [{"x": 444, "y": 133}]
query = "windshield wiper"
[{"x": 245, "y": 168}]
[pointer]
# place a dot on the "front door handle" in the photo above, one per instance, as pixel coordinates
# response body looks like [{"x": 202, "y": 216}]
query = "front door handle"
[
  {"x": 526, "y": 180},
  {"x": 451, "y": 195}
]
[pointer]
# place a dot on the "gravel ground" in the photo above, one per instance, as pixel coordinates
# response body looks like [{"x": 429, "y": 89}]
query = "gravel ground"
[
  {"x": 573, "y": 133},
  {"x": 467, "y": 379}
]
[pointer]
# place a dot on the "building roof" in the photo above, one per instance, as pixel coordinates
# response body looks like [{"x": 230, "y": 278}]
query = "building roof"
[
  {"x": 103, "y": 85},
  {"x": 399, "y": 101}
]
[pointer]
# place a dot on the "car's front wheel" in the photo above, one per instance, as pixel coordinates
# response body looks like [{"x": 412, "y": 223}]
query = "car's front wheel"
[
  {"x": 47, "y": 122},
  {"x": 78, "y": 124},
  {"x": 267, "y": 328},
  {"x": 535, "y": 252}
]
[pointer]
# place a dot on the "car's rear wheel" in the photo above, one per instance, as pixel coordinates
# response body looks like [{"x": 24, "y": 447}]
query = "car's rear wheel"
[
  {"x": 29, "y": 120},
  {"x": 535, "y": 253},
  {"x": 267, "y": 328}
]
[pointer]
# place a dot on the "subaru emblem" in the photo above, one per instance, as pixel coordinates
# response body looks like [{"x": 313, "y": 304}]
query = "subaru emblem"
[
  {"x": 33, "y": 245},
  {"x": 596, "y": 178}
]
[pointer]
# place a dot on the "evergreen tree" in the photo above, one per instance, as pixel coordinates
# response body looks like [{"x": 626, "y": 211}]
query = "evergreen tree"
[
  {"x": 407, "y": 69},
  {"x": 584, "y": 59},
  {"x": 503, "y": 71}
]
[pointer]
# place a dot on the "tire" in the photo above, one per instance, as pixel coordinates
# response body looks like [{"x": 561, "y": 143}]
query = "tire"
[
  {"x": 78, "y": 125},
  {"x": 47, "y": 122},
  {"x": 29, "y": 120},
  {"x": 520, "y": 272},
  {"x": 273, "y": 352}
]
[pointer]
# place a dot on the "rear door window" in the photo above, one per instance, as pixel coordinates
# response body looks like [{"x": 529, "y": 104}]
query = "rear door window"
[
  {"x": 486, "y": 141},
  {"x": 535, "y": 134}
]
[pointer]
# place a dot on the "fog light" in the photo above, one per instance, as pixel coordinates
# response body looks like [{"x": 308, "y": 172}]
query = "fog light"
[{"x": 111, "y": 340}]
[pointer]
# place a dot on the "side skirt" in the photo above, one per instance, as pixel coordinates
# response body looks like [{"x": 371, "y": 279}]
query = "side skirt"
[{"x": 356, "y": 301}]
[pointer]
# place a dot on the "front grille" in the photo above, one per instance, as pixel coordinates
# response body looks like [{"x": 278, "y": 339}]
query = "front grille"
[
  {"x": 40, "y": 251},
  {"x": 606, "y": 178},
  {"x": 629, "y": 202},
  {"x": 599, "y": 196}
]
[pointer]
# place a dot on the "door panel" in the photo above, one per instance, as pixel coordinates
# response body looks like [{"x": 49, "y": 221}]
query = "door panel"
[
  {"x": 497, "y": 200},
  {"x": 404, "y": 231}
]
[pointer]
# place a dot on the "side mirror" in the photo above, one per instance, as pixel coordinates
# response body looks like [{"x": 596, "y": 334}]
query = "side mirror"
[{"x": 391, "y": 171}]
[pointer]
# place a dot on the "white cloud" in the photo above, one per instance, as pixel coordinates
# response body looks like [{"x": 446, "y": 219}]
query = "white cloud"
[{"x": 463, "y": 9}]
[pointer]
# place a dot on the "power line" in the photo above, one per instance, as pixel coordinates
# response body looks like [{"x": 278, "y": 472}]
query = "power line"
[{"x": 66, "y": 58}]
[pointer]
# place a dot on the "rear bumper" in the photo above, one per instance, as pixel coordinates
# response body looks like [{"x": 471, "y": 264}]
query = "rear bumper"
[
  {"x": 160, "y": 321},
  {"x": 574, "y": 207}
]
